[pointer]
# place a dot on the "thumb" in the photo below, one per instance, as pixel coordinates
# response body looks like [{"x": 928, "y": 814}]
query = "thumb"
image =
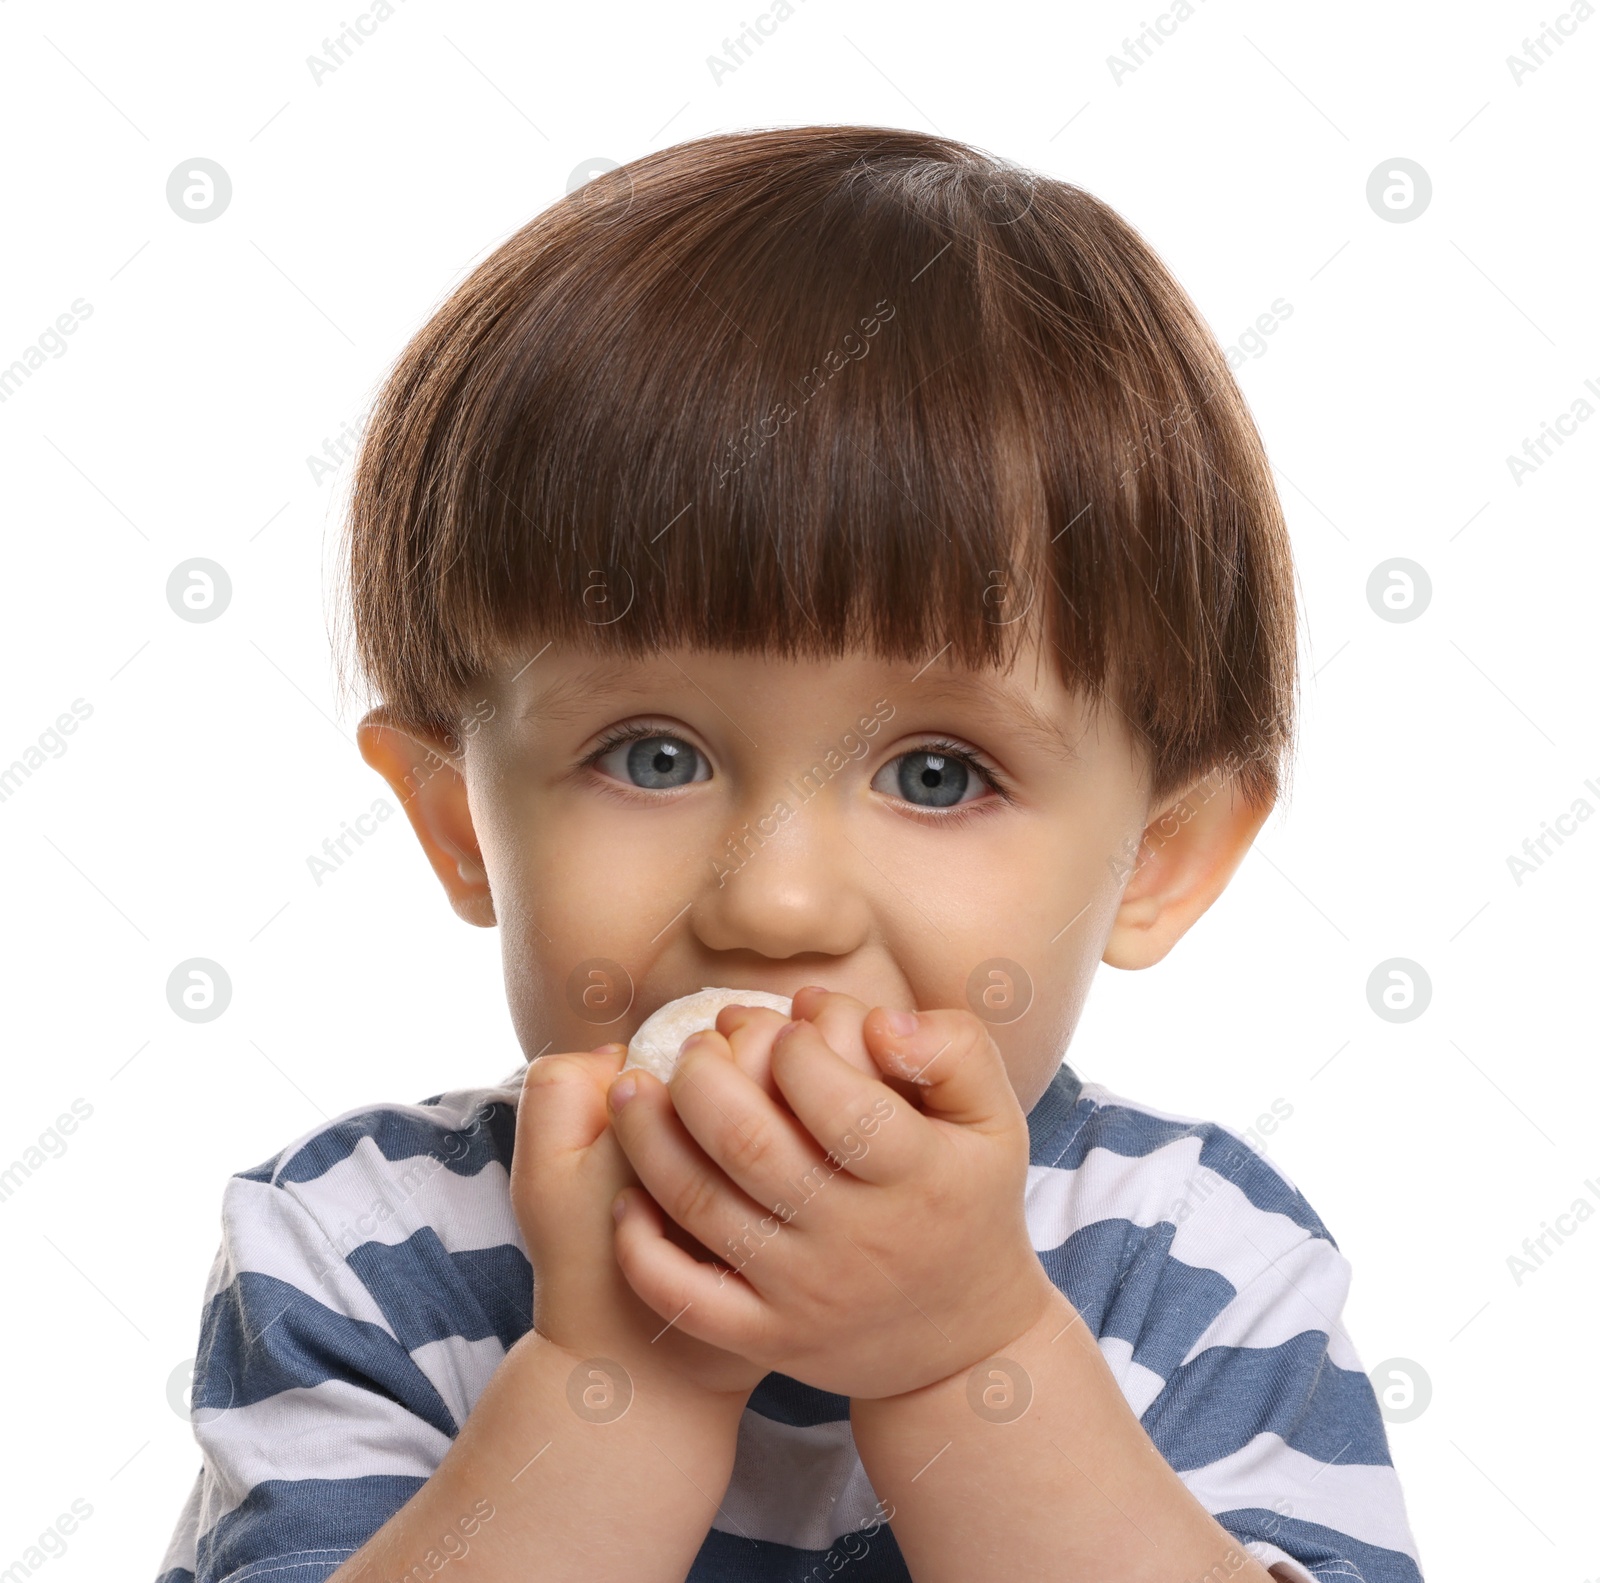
[
  {"x": 951, "y": 1059},
  {"x": 563, "y": 1103}
]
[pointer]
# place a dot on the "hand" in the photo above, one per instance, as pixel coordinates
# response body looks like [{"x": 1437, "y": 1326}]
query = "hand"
[
  {"x": 879, "y": 1248},
  {"x": 566, "y": 1169}
]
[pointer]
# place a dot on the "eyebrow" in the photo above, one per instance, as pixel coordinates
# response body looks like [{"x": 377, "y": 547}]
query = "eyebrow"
[
  {"x": 1018, "y": 712},
  {"x": 573, "y": 696}
]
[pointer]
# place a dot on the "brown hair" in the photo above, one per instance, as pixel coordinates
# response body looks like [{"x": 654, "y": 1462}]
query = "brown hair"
[{"x": 811, "y": 389}]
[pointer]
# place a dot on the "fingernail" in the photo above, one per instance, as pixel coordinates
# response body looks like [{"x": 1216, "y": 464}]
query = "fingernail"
[
  {"x": 619, "y": 1207},
  {"x": 610, "y": 1048},
  {"x": 694, "y": 1038},
  {"x": 902, "y": 1023},
  {"x": 622, "y": 1091}
]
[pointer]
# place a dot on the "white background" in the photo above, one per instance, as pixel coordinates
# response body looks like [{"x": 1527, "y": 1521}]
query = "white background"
[{"x": 179, "y": 820}]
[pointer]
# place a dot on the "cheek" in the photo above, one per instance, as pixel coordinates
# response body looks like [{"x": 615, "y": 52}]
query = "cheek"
[
  {"x": 1024, "y": 923},
  {"x": 1040, "y": 893},
  {"x": 585, "y": 897}
]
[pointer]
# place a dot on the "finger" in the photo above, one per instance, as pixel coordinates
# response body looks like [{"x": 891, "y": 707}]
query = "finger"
[
  {"x": 838, "y": 1018},
  {"x": 562, "y": 1106},
  {"x": 952, "y": 1060},
  {"x": 606, "y": 1168},
  {"x": 706, "y": 1301},
  {"x": 749, "y": 1031},
  {"x": 864, "y": 1127},
  {"x": 676, "y": 1172},
  {"x": 750, "y": 1135}
]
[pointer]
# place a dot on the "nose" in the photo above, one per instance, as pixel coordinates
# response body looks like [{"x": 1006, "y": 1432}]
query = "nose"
[{"x": 785, "y": 885}]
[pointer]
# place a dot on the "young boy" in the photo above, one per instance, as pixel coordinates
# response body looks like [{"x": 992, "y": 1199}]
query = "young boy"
[{"x": 832, "y": 562}]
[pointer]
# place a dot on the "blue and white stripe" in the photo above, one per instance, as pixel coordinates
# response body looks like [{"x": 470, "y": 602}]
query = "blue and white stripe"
[{"x": 372, "y": 1276}]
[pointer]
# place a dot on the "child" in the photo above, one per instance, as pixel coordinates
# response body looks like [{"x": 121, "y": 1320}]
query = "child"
[{"x": 832, "y": 562}]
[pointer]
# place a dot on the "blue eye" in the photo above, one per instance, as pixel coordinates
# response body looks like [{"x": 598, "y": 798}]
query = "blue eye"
[
  {"x": 932, "y": 780},
  {"x": 656, "y": 762},
  {"x": 938, "y": 775}
]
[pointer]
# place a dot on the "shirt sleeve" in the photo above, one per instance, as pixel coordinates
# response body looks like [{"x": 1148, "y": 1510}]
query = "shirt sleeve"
[
  {"x": 1270, "y": 1419},
  {"x": 315, "y": 1424}
]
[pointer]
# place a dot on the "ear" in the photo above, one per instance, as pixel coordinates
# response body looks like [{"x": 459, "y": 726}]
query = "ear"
[
  {"x": 1185, "y": 859},
  {"x": 424, "y": 770}
]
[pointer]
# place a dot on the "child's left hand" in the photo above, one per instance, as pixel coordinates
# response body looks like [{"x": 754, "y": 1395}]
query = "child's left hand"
[{"x": 878, "y": 1248}]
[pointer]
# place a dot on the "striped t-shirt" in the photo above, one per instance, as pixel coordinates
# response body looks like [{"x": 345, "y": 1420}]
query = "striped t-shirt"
[{"x": 372, "y": 1276}]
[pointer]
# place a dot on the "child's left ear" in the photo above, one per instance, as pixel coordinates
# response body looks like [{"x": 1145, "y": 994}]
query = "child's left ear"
[{"x": 1185, "y": 859}]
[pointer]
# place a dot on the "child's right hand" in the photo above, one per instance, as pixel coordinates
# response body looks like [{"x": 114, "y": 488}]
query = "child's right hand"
[{"x": 566, "y": 1169}]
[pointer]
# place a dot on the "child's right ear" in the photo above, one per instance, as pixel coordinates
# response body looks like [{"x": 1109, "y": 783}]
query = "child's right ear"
[{"x": 424, "y": 770}]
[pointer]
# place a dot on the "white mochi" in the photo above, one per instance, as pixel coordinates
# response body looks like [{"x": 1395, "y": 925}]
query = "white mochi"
[{"x": 655, "y": 1045}]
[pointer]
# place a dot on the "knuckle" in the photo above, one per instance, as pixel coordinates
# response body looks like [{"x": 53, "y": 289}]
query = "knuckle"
[
  {"x": 745, "y": 1148},
  {"x": 967, "y": 1028},
  {"x": 749, "y": 1029},
  {"x": 692, "y": 1199},
  {"x": 738, "y": 1016},
  {"x": 969, "y": 1034},
  {"x": 840, "y": 1011}
]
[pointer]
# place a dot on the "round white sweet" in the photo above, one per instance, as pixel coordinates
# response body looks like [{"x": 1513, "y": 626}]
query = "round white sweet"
[{"x": 655, "y": 1045}]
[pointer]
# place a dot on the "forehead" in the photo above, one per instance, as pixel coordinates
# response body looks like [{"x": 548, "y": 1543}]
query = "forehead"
[{"x": 563, "y": 687}]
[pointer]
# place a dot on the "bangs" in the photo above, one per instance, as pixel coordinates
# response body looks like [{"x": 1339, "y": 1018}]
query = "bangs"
[{"x": 821, "y": 390}]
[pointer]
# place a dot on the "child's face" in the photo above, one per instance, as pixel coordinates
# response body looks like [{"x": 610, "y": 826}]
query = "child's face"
[{"x": 777, "y": 823}]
